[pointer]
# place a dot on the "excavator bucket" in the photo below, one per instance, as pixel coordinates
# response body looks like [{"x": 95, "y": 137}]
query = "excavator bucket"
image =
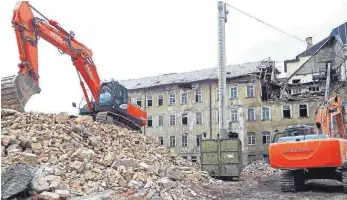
[{"x": 17, "y": 90}]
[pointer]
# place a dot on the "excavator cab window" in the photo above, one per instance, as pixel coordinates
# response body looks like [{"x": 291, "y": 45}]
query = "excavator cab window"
[{"x": 105, "y": 95}]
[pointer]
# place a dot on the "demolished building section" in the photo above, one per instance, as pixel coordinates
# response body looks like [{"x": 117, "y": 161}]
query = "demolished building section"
[{"x": 308, "y": 81}]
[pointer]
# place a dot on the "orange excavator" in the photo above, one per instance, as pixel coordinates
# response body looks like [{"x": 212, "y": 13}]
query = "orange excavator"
[
  {"x": 321, "y": 155},
  {"x": 109, "y": 101}
]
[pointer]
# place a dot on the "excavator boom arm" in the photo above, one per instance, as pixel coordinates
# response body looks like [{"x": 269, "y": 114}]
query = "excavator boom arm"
[{"x": 29, "y": 30}]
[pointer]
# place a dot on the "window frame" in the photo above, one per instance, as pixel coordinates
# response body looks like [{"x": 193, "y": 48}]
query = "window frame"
[
  {"x": 231, "y": 92},
  {"x": 172, "y": 98},
  {"x": 173, "y": 118},
  {"x": 160, "y": 97},
  {"x": 234, "y": 112},
  {"x": 161, "y": 119},
  {"x": 253, "y": 91},
  {"x": 149, "y": 98},
  {"x": 262, "y": 113},
  {"x": 250, "y": 135},
  {"x": 184, "y": 142},
  {"x": 196, "y": 94},
  {"x": 186, "y": 98},
  {"x": 254, "y": 115},
  {"x": 172, "y": 142},
  {"x": 196, "y": 118}
]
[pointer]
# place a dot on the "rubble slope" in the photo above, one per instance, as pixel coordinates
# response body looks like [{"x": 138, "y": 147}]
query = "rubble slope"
[{"x": 78, "y": 157}]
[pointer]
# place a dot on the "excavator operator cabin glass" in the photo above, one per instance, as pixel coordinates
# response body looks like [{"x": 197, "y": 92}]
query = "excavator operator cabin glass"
[{"x": 105, "y": 96}]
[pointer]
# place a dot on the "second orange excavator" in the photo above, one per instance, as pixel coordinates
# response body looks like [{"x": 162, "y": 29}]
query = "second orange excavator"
[
  {"x": 109, "y": 102},
  {"x": 322, "y": 155}
]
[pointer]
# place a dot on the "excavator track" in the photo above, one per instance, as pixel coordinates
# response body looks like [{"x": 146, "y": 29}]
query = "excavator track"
[
  {"x": 344, "y": 178},
  {"x": 292, "y": 180},
  {"x": 9, "y": 97},
  {"x": 119, "y": 120}
]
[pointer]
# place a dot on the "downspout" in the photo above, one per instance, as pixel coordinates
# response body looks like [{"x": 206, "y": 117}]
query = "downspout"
[{"x": 209, "y": 82}]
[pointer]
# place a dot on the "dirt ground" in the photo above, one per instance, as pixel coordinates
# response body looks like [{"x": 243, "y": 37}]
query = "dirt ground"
[{"x": 269, "y": 188}]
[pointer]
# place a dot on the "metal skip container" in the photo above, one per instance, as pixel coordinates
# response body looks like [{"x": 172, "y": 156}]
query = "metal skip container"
[{"x": 221, "y": 158}]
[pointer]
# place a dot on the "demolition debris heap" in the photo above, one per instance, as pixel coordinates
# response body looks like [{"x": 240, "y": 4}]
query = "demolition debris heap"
[{"x": 51, "y": 156}]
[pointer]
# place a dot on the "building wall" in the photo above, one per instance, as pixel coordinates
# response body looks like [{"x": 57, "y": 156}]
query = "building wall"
[
  {"x": 293, "y": 66},
  {"x": 241, "y": 104}
]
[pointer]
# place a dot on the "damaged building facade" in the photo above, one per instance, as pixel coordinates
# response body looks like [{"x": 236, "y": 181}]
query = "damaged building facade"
[{"x": 183, "y": 107}]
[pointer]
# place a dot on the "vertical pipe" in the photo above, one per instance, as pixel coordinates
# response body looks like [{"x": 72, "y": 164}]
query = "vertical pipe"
[
  {"x": 209, "y": 82},
  {"x": 222, "y": 12},
  {"x": 327, "y": 94}
]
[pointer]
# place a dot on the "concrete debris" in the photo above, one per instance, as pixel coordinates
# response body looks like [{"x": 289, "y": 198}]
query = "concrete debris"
[
  {"x": 259, "y": 168},
  {"x": 15, "y": 179},
  {"x": 83, "y": 159}
]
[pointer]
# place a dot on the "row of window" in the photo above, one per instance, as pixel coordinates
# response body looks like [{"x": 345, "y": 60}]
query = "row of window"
[
  {"x": 172, "y": 119},
  {"x": 198, "y": 96},
  {"x": 234, "y": 92},
  {"x": 171, "y": 100},
  {"x": 184, "y": 140},
  {"x": 252, "y": 139},
  {"x": 266, "y": 113},
  {"x": 251, "y": 115}
]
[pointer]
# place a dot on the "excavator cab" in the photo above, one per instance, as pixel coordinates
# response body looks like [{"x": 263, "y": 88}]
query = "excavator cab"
[{"x": 112, "y": 94}]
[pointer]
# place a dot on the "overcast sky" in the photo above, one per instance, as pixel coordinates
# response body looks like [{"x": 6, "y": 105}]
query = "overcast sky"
[{"x": 133, "y": 39}]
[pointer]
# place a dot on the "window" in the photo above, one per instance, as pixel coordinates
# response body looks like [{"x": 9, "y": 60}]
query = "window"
[
  {"x": 233, "y": 92},
  {"x": 172, "y": 120},
  {"x": 303, "y": 110},
  {"x": 313, "y": 88},
  {"x": 266, "y": 137},
  {"x": 184, "y": 119},
  {"x": 286, "y": 111},
  {"x": 198, "y": 140},
  {"x": 160, "y": 100},
  {"x": 184, "y": 98},
  {"x": 172, "y": 141},
  {"x": 149, "y": 101},
  {"x": 217, "y": 94},
  {"x": 138, "y": 101},
  {"x": 296, "y": 90},
  {"x": 251, "y": 114},
  {"x": 172, "y": 99},
  {"x": 250, "y": 91},
  {"x": 265, "y": 113},
  {"x": 233, "y": 116},
  {"x": 161, "y": 121},
  {"x": 184, "y": 157},
  {"x": 149, "y": 121},
  {"x": 251, "y": 138},
  {"x": 184, "y": 140},
  {"x": 161, "y": 140},
  {"x": 194, "y": 159},
  {"x": 217, "y": 116},
  {"x": 198, "y": 96},
  {"x": 198, "y": 118}
]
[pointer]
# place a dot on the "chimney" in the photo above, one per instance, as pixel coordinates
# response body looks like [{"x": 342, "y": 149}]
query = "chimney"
[{"x": 309, "y": 42}]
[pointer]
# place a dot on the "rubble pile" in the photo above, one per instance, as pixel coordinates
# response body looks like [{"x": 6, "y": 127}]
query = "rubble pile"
[
  {"x": 259, "y": 168},
  {"x": 50, "y": 156}
]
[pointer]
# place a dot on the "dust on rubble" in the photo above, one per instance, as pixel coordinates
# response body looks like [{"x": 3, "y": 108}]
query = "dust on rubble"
[{"x": 80, "y": 158}]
